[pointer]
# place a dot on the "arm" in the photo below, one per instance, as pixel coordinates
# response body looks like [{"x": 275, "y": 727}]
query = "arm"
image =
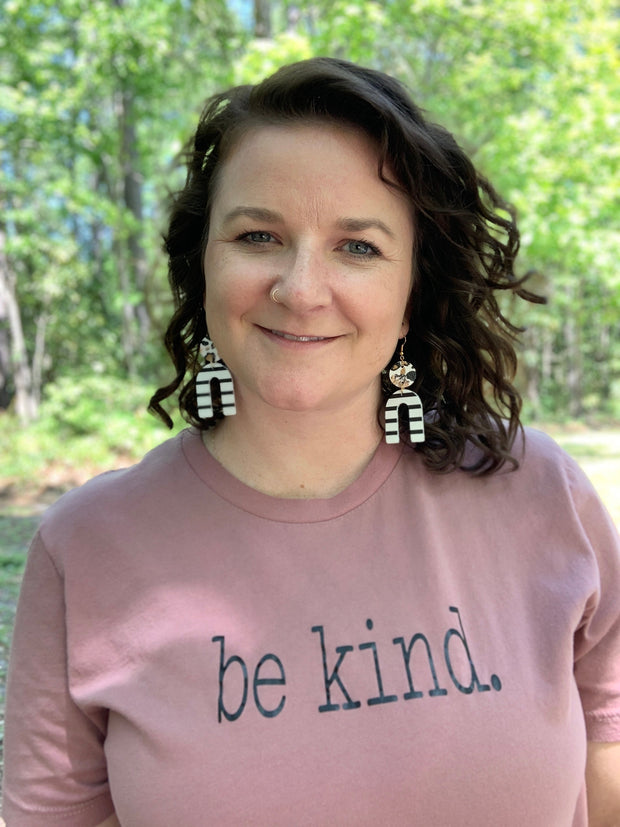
[
  {"x": 41, "y": 773},
  {"x": 597, "y": 658},
  {"x": 603, "y": 784}
]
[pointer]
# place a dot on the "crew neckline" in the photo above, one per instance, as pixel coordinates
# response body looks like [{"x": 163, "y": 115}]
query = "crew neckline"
[{"x": 288, "y": 510}]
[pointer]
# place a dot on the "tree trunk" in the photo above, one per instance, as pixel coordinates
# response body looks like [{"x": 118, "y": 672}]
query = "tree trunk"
[
  {"x": 132, "y": 266},
  {"x": 262, "y": 18},
  {"x": 19, "y": 367},
  {"x": 546, "y": 357},
  {"x": 574, "y": 367},
  {"x": 128, "y": 330},
  {"x": 5, "y": 348},
  {"x": 605, "y": 374},
  {"x": 529, "y": 370},
  {"x": 132, "y": 192},
  {"x": 38, "y": 357},
  {"x": 293, "y": 15}
]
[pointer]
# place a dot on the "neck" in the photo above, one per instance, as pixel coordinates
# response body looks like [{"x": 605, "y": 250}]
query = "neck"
[{"x": 296, "y": 455}]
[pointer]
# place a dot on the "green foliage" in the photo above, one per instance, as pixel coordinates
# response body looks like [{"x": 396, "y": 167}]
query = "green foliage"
[
  {"x": 11, "y": 564},
  {"x": 84, "y": 426},
  {"x": 262, "y": 57},
  {"x": 95, "y": 102},
  {"x": 94, "y": 404}
]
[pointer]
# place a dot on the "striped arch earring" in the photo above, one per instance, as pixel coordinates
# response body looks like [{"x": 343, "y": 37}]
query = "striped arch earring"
[
  {"x": 213, "y": 369},
  {"x": 402, "y": 375}
]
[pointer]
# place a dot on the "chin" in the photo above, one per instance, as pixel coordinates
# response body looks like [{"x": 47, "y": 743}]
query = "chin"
[
  {"x": 288, "y": 399},
  {"x": 285, "y": 393},
  {"x": 307, "y": 397}
]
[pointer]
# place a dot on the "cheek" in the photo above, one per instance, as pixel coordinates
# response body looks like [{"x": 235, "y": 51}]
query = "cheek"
[
  {"x": 228, "y": 273},
  {"x": 231, "y": 292},
  {"x": 382, "y": 324},
  {"x": 214, "y": 299},
  {"x": 220, "y": 307},
  {"x": 219, "y": 279},
  {"x": 384, "y": 309}
]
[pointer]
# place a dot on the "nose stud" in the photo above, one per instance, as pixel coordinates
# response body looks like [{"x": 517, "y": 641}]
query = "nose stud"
[{"x": 274, "y": 295}]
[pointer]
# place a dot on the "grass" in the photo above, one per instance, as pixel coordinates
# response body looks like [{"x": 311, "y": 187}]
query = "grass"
[
  {"x": 16, "y": 529},
  {"x": 15, "y": 534},
  {"x": 21, "y": 502}
]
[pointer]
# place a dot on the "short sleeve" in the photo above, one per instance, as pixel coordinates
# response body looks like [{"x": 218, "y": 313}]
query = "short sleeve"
[
  {"x": 597, "y": 640},
  {"x": 54, "y": 763}
]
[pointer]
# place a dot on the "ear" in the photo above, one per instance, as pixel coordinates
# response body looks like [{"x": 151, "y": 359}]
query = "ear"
[{"x": 404, "y": 329}]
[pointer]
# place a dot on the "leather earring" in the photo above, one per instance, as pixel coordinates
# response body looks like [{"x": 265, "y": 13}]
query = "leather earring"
[
  {"x": 214, "y": 369},
  {"x": 402, "y": 375}
]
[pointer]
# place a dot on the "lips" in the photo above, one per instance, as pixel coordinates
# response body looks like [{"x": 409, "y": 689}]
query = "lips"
[{"x": 292, "y": 338}]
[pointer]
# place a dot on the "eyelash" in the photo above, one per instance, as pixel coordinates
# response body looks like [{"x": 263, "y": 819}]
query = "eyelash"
[
  {"x": 245, "y": 236},
  {"x": 375, "y": 251}
]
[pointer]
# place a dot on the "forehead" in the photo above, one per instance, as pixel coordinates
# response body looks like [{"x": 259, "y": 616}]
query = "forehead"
[{"x": 312, "y": 158}]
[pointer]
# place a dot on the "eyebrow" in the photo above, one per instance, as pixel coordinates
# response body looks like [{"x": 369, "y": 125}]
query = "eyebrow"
[
  {"x": 349, "y": 225},
  {"x": 360, "y": 225},
  {"x": 257, "y": 213}
]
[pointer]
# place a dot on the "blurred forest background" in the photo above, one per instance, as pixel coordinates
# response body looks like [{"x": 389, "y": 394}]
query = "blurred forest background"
[{"x": 98, "y": 97}]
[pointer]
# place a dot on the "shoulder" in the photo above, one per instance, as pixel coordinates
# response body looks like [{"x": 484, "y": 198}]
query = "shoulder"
[
  {"x": 541, "y": 458},
  {"x": 123, "y": 482},
  {"x": 537, "y": 452},
  {"x": 558, "y": 489},
  {"x": 546, "y": 480},
  {"x": 548, "y": 477},
  {"x": 536, "y": 455},
  {"x": 116, "y": 497}
]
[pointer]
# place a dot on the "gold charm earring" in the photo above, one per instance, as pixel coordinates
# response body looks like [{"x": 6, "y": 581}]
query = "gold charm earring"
[{"x": 402, "y": 375}]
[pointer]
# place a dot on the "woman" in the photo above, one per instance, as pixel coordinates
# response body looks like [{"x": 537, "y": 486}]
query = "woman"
[{"x": 286, "y": 615}]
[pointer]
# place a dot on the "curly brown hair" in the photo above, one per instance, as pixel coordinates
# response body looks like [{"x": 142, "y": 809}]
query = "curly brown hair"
[{"x": 466, "y": 242}]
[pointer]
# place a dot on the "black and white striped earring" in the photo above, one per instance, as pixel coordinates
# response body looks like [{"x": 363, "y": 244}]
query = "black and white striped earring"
[
  {"x": 214, "y": 369},
  {"x": 402, "y": 376}
]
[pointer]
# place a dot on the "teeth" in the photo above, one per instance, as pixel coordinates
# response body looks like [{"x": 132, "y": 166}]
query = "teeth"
[{"x": 292, "y": 338}]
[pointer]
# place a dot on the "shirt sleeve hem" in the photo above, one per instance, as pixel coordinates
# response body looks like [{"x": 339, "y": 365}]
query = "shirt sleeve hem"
[
  {"x": 603, "y": 727},
  {"x": 88, "y": 814}
]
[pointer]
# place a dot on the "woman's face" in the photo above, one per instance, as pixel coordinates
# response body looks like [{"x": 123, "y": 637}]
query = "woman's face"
[{"x": 302, "y": 209}]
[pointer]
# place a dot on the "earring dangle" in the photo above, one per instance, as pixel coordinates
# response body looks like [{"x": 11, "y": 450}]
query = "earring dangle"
[
  {"x": 402, "y": 376},
  {"x": 214, "y": 369}
]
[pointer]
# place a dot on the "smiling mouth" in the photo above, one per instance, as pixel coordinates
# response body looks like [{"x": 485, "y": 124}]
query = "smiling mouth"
[{"x": 291, "y": 338}]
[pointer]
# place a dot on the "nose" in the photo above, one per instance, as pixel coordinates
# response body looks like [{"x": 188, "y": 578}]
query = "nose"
[{"x": 303, "y": 284}]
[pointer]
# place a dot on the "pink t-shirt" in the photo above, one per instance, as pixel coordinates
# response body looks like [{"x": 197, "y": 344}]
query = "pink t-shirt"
[{"x": 421, "y": 649}]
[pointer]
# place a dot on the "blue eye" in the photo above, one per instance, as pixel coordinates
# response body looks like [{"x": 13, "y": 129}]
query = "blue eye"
[
  {"x": 361, "y": 248},
  {"x": 257, "y": 237}
]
